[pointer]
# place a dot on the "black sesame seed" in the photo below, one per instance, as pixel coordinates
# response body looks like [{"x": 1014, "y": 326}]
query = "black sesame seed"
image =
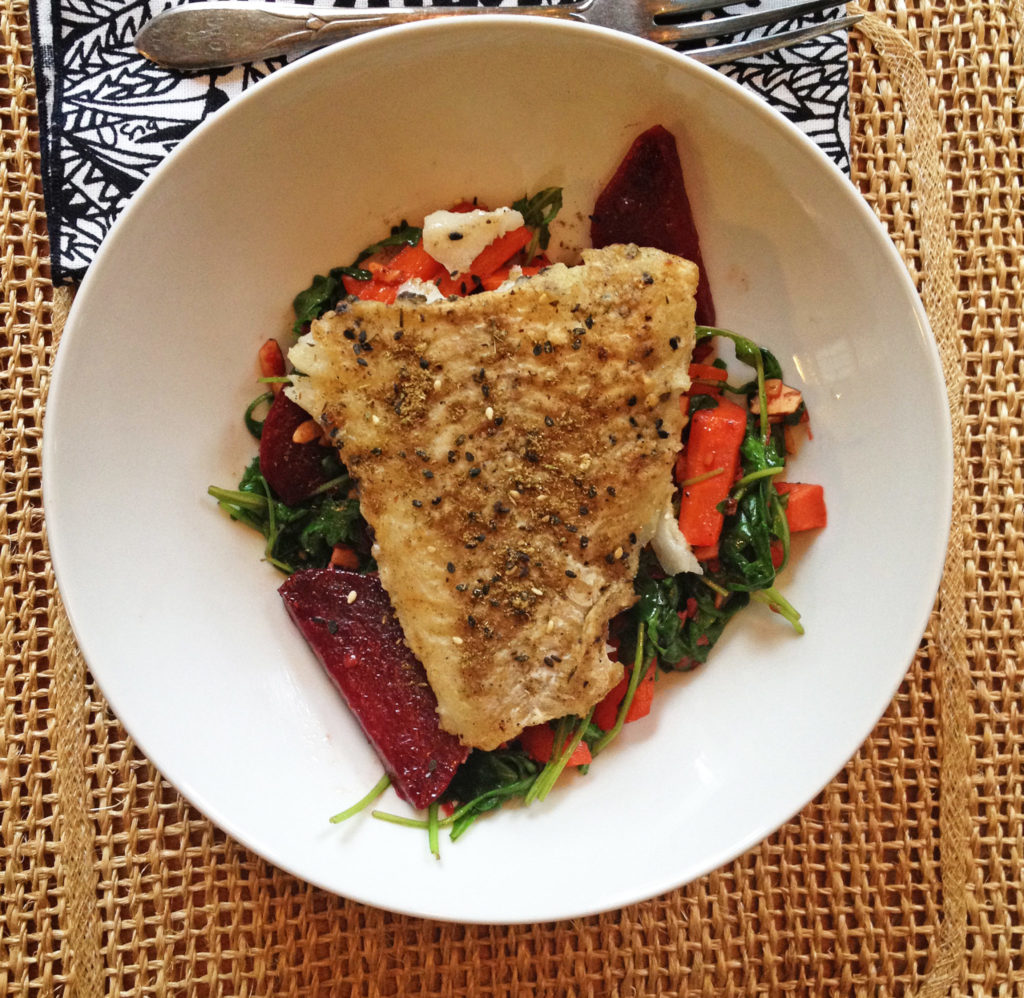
[
  {"x": 664, "y": 434},
  {"x": 609, "y": 558},
  {"x": 631, "y": 400},
  {"x": 428, "y": 474},
  {"x": 473, "y": 472},
  {"x": 451, "y": 567},
  {"x": 471, "y": 620},
  {"x": 592, "y": 492},
  {"x": 571, "y": 527},
  {"x": 454, "y": 236},
  {"x": 376, "y": 452},
  {"x": 548, "y": 421},
  {"x": 452, "y": 456},
  {"x": 570, "y": 574},
  {"x": 589, "y": 322},
  {"x": 362, "y": 335},
  {"x": 498, "y": 420},
  {"x": 436, "y": 501},
  {"x": 537, "y": 349},
  {"x": 398, "y": 335},
  {"x": 349, "y": 334},
  {"x": 424, "y": 363},
  {"x": 422, "y": 454},
  {"x": 611, "y": 490},
  {"x": 632, "y": 538},
  {"x": 576, "y": 344},
  {"x": 674, "y": 343},
  {"x": 584, "y": 510},
  {"x": 362, "y": 362},
  {"x": 461, "y": 587},
  {"x": 417, "y": 503},
  {"x": 584, "y": 541}
]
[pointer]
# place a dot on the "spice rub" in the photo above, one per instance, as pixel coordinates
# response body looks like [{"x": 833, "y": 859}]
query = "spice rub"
[{"x": 513, "y": 451}]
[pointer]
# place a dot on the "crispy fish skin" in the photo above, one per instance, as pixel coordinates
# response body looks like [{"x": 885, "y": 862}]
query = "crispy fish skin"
[{"x": 513, "y": 451}]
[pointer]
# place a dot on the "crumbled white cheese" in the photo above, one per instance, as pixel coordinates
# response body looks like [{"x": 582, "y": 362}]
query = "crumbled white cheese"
[
  {"x": 674, "y": 553},
  {"x": 456, "y": 238},
  {"x": 421, "y": 289}
]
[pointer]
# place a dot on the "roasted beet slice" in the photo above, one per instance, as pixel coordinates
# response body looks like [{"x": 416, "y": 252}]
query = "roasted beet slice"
[
  {"x": 645, "y": 203},
  {"x": 294, "y": 471},
  {"x": 348, "y": 621}
]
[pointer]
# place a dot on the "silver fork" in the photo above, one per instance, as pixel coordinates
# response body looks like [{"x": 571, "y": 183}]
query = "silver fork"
[{"x": 216, "y": 33}]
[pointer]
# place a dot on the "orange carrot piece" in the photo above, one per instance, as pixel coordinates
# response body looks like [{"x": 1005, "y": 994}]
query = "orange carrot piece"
[
  {"x": 713, "y": 446},
  {"x": 491, "y": 257},
  {"x": 805, "y": 508},
  {"x": 415, "y": 261},
  {"x": 344, "y": 556},
  {"x": 539, "y": 744},
  {"x": 606, "y": 712},
  {"x": 706, "y": 378},
  {"x": 371, "y": 290}
]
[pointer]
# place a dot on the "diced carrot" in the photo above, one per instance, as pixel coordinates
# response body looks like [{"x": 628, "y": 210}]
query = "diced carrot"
[
  {"x": 271, "y": 361},
  {"x": 643, "y": 697},
  {"x": 371, "y": 290},
  {"x": 344, "y": 556},
  {"x": 706, "y": 553},
  {"x": 539, "y": 743},
  {"x": 415, "y": 261},
  {"x": 805, "y": 508},
  {"x": 713, "y": 450},
  {"x": 500, "y": 251},
  {"x": 706, "y": 379},
  {"x": 607, "y": 710}
]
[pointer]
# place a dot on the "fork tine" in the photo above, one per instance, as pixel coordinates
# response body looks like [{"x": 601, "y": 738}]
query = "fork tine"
[
  {"x": 714, "y": 55},
  {"x": 730, "y": 24}
]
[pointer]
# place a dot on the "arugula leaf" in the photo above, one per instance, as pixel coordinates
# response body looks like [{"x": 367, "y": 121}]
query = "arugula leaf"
[
  {"x": 538, "y": 212},
  {"x": 326, "y": 289},
  {"x": 301, "y": 536},
  {"x": 485, "y": 781}
]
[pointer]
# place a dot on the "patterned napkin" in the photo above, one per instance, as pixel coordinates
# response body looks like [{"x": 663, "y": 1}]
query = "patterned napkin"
[{"x": 107, "y": 116}]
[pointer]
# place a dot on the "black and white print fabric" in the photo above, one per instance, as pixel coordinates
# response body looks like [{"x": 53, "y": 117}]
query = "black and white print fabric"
[{"x": 108, "y": 116}]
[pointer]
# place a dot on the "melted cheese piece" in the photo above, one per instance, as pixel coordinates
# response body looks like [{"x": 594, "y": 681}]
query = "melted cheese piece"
[{"x": 456, "y": 238}]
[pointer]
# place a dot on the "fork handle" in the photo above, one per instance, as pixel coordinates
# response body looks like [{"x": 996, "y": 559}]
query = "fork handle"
[{"x": 210, "y": 35}]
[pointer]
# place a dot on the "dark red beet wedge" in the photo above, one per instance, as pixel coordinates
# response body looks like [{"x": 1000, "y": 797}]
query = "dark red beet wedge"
[
  {"x": 294, "y": 471},
  {"x": 360, "y": 644},
  {"x": 645, "y": 203}
]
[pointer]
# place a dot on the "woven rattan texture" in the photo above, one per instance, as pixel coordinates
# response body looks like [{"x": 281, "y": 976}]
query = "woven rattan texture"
[{"x": 903, "y": 877}]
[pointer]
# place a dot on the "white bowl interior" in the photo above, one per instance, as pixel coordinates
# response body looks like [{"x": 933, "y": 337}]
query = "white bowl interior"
[{"x": 179, "y": 619}]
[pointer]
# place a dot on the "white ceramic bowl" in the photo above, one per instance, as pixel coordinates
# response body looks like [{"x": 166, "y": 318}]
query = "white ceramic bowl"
[{"x": 178, "y": 617}]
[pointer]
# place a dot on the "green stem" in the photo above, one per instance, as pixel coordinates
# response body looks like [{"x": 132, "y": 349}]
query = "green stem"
[
  {"x": 634, "y": 681},
  {"x": 773, "y": 598},
  {"x": 702, "y": 478},
  {"x": 378, "y": 788},
  {"x": 555, "y": 766},
  {"x": 756, "y": 476},
  {"x": 432, "y": 826}
]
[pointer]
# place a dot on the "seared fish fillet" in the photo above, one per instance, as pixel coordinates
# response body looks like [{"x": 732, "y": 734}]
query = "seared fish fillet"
[{"x": 514, "y": 451}]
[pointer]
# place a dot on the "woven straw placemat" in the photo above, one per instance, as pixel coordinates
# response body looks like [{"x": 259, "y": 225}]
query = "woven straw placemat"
[{"x": 904, "y": 876}]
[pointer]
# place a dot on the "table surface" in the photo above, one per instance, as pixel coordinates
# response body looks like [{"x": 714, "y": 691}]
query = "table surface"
[{"x": 904, "y": 876}]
